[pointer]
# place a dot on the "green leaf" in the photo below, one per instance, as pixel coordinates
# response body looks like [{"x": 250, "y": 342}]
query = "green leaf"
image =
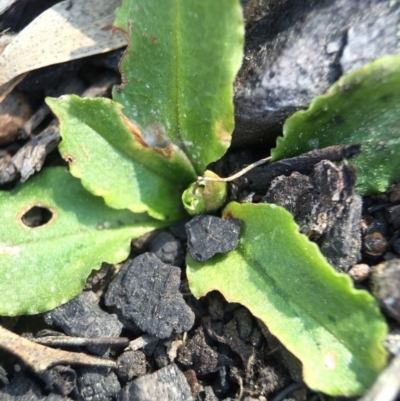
[
  {"x": 282, "y": 278},
  {"x": 107, "y": 152},
  {"x": 179, "y": 69},
  {"x": 362, "y": 107},
  {"x": 45, "y": 266}
]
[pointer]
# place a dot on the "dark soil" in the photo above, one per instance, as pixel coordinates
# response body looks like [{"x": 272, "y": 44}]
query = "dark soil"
[{"x": 167, "y": 344}]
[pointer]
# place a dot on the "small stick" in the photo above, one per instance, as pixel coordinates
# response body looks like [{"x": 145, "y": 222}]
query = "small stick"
[
  {"x": 141, "y": 342},
  {"x": 66, "y": 341},
  {"x": 237, "y": 175}
]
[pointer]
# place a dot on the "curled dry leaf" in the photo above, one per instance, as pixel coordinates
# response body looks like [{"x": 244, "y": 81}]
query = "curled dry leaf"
[{"x": 70, "y": 30}]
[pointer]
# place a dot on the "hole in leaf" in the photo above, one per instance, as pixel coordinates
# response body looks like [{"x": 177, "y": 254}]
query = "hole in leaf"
[{"x": 36, "y": 216}]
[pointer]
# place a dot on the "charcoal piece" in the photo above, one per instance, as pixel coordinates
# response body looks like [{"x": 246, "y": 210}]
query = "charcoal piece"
[
  {"x": 386, "y": 286},
  {"x": 96, "y": 384},
  {"x": 296, "y": 194},
  {"x": 178, "y": 230},
  {"x": 377, "y": 223},
  {"x": 167, "y": 384},
  {"x": 271, "y": 379},
  {"x": 230, "y": 337},
  {"x": 82, "y": 317},
  {"x": 146, "y": 292},
  {"x": 209, "y": 235},
  {"x": 196, "y": 354},
  {"x": 131, "y": 364},
  {"x": 260, "y": 177},
  {"x": 160, "y": 355},
  {"x": 393, "y": 216},
  {"x": 396, "y": 246},
  {"x": 23, "y": 388},
  {"x": 325, "y": 208},
  {"x": 216, "y": 305},
  {"x": 59, "y": 379},
  {"x": 341, "y": 245},
  {"x": 167, "y": 248},
  {"x": 244, "y": 322}
]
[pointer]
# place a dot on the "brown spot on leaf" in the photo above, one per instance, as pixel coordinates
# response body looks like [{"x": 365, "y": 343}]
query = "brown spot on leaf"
[
  {"x": 229, "y": 215},
  {"x": 69, "y": 158},
  {"x": 154, "y": 39},
  {"x": 155, "y": 135}
]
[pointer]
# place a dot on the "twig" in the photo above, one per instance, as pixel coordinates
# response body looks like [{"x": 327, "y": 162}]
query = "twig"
[
  {"x": 66, "y": 341},
  {"x": 40, "y": 358}
]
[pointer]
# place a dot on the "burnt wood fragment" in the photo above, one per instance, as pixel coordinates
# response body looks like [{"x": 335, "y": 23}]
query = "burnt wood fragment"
[
  {"x": 146, "y": 292},
  {"x": 196, "y": 354},
  {"x": 167, "y": 384},
  {"x": 261, "y": 176},
  {"x": 131, "y": 364},
  {"x": 167, "y": 248},
  {"x": 82, "y": 317},
  {"x": 96, "y": 384},
  {"x": 325, "y": 208},
  {"x": 209, "y": 235}
]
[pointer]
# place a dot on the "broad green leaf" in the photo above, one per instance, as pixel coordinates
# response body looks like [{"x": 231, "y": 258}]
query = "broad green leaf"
[
  {"x": 107, "y": 152},
  {"x": 45, "y": 266},
  {"x": 282, "y": 278},
  {"x": 179, "y": 69},
  {"x": 362, "y": 107}
]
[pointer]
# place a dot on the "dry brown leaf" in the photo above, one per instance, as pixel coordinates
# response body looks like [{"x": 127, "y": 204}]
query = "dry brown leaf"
[{"x": 69, "y": 30}]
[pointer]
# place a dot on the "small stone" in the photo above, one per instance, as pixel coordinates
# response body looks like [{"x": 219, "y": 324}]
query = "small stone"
[
  {"x": 209, "y": 235},
  {"x": 131, "y": 364},
  {"x": 359, "y": 272},
  {"x": 386, "y": 286},
  {"x": 375, "y": 244}
]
